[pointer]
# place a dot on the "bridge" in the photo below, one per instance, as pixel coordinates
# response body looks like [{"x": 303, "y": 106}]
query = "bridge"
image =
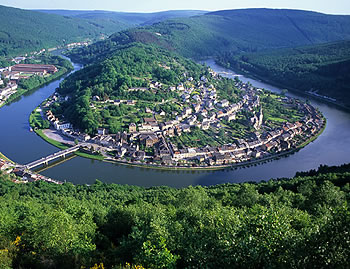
[{"x": 52, "y": 157}]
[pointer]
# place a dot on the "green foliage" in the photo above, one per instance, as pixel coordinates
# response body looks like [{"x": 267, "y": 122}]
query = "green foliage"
[
  {"x": 24, "y": 31},
  {"x": 235, "y": 31},
  {"x": 134, "y": 66},
  {"x": 301, "y": 222},
  {"x": 323, "y": 69}
]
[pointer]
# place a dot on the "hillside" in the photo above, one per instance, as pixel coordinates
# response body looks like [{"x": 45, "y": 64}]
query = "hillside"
[
  {"x": 302, "y": 222},
  {"x": 237, "y": 31},
  {"x": 133, "y": 67},
  {"x": 322, "y": 69},
  {"x": 25, "y": 31},
  {"x": 130, "y": 18}
]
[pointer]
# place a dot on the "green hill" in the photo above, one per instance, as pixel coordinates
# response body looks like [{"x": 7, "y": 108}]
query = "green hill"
[
  {"x": 130, "y": 18},
  {"x": 303, "y": 222},
  {"x": 247, "y": 30},
  {"x": 323, "y": 69},
  {"x": 136, "y": 65},
  {"x": 25, "y": 31}
]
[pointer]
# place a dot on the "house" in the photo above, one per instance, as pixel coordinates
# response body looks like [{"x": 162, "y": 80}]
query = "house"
[
  {"x": 170, "y": 132},
  {"x": 219, "y": 159},
  {"x": 140, "y": 155},
  {"x": 220, "y": 114},
  {"x": 192, "y": 120},
  {"x": 132, "y": 127},
  {"x": 180, "y": 87},
  {"x": 84, "y": 137},
  {"x": 267, "y": 146},
  {"x": 62, "y": 125},
  {"x": 102, "y": 131},
  {"x": 167, "y": 125},
  {"x": 131, "y": 102},
  {"x": 185, "y": 97},
  {"x": 230, "y": 117},
  {"x": 121, "y": 152},
  {"x": 223, "y": 103},
  {"x": 196, "y": 98},
  {"x": 186, "y": 128},
  {"x": 188, "y": 111},
  {"x": 205, "y": 125},
  {"x": 34, "y": 68},
  {"x": 149, "y": 139},
  {"x": 196, "y": 107},
  {"x": 178, "y": 130},
  {"x": 167, "y": 160}
]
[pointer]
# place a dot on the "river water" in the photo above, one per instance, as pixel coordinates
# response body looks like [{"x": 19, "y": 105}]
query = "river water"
[{"x": 23, "y": 146}]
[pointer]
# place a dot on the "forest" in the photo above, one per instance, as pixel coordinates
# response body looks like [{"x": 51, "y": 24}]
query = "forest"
[
  {"x": 323, "y": 69},
  {"x": 236, "y": 31},
  {"x": 24, "y": 31},
  {"x": 302, "y": 222}
]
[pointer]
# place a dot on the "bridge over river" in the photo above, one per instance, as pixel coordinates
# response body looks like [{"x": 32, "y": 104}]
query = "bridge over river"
[{"x": 47, "y": 159}]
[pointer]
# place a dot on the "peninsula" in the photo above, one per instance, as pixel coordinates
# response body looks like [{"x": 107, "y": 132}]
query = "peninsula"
[{"x": 147, "y": 106}]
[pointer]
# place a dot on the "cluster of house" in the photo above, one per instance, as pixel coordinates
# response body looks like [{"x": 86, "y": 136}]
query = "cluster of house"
[
  {"x": 127, "y": 144},
  {"x": 29, "y": 176},
  {"x": 14, "y": 73},
  {"x": 6, "y": 166},
  {"x": 24, "y": 175},
  {"x": 56, "y": 123},
  {"x": 77, "y": 44},
  {"x": 149, "y": 141}
]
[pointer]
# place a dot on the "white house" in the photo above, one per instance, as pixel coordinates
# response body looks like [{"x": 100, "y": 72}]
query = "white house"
[{"x": 62, "y": 125}]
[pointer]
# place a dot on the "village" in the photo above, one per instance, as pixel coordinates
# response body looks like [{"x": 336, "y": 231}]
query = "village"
[
  {"x": 11, "y": 75},
  {"x": 154, "y": 142}
]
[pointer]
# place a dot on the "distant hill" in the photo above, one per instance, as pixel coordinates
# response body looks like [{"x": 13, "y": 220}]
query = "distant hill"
[
  {"x": 246, "y": 30},
  {"x": 323, "y": 69},
  {"x": 130, "y": 18},
  {"x": 24, "y": 31}
]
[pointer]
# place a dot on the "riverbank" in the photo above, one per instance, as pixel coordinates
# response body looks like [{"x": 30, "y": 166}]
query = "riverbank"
[
  {"x": 224, "y": 167},
  {"x": 279, "y": 85},
  {"x": 2, "y": 156},
  {"x": 62, "y": 71},
  {"x": 245, "y": 164},
  {"x": 63, "y": 146}
]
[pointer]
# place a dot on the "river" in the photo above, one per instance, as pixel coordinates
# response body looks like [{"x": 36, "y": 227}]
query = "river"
[{"x": 23, "y": 146}]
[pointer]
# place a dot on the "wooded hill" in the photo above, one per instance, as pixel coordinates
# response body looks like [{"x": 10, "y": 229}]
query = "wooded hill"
[
  {"x": 136, "y": 65},
  {"x": 248, "y": 39},
  {"x": 128, "y": 18},
  {"x": 25, "y": 31},
  {"x": 302, "y": 222},
  {"x": 323, "y": 69},
  {"x": 237, "y": 31}
]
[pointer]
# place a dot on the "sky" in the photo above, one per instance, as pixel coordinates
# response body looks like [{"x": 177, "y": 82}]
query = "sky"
[{"x": 324, "y": 6}]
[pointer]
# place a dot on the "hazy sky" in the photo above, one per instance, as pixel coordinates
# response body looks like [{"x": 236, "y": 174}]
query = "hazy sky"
[{"x": 325, "y": 6}]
